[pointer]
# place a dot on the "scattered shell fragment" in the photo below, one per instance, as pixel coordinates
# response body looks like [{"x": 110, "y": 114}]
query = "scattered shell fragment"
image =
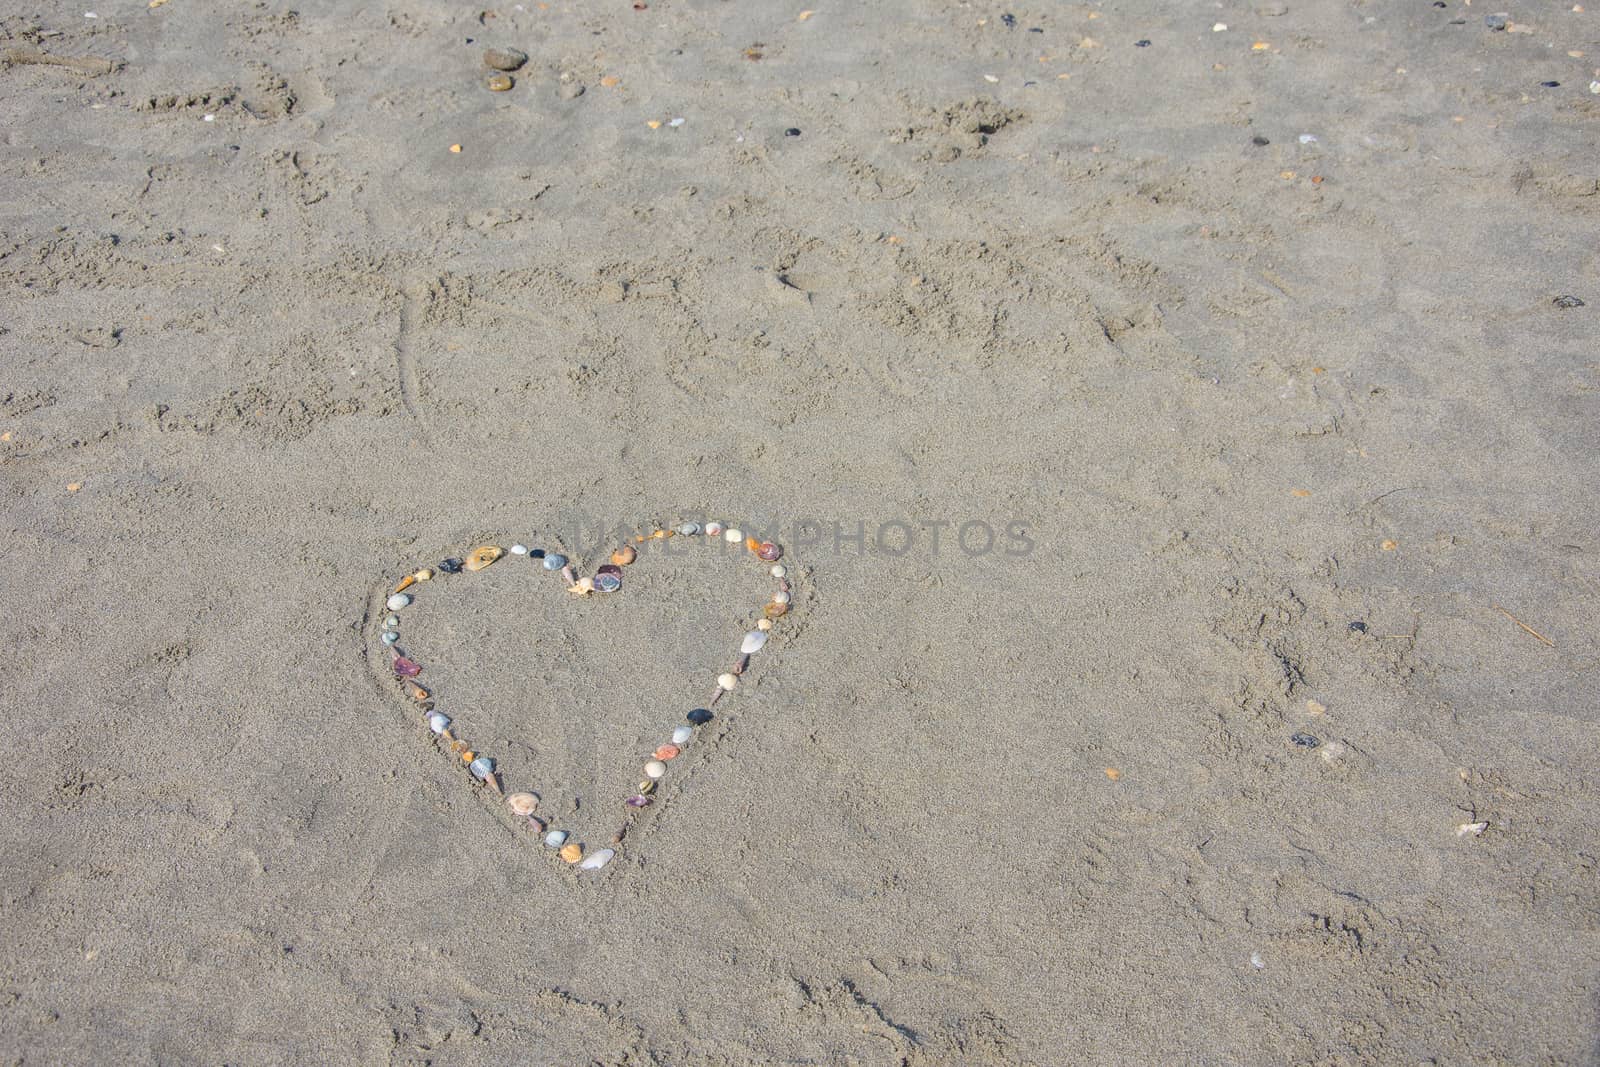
[
  {"x": 483, "y": 556},
  {"x": 624, "y": 555},
  {"x": 780, "y": 597},
  {"x": 504, "y": 58},
  {"x": 555, "y": 838},
  {"x": 609, "y": 80},
  {"x": 764, "y": 625},
  {"x": 1389, "y": 546},
  {"x": 713, "y": 529},
  {"x": 397, "y": 601},
  {"x": 682, "y": 734},
  {"x": 1113, "y": 774},
  {"x": 596, "y": 860},
  {"x": 753, "y": 642},
  {"x": 499, "y": 83},
  {"x": 727, "y": 681},
  {"x": 417, "y": 692},
  {"x": 667, "y": 752},
  {"x": 391, "y": 621},
  {"x": 455, "y": 150},
  {"x": 572, "y": 853},
  {"x": 522, "y": 803},
  {"x": 655, "y": 769}
]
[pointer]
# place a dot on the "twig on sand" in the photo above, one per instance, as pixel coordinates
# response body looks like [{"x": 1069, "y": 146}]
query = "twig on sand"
[
  {"x": 1524, "y": 625},
  {"x": 83, "y": 64}
]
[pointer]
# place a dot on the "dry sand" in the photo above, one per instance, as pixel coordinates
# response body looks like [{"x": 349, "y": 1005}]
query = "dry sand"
[{"x": 268, "y": 344}]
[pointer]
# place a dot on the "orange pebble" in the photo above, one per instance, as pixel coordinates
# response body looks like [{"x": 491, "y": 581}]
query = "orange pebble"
[
  {"x": 1113, "y": 774},
  {"x": 624, "y": 555},
  {"x": 666, "y": 752}
]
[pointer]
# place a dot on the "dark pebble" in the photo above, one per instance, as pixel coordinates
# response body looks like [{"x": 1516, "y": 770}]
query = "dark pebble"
[
  {"x": 1035, "y": 29},
  {"x": 1304, "y": 740},
  {"x": 1439, "y": 3},
  {"x": 1009, "y": 20},
  {"x": 536, "y": 553},
  {"x": 1260, "y": 142},
  {"x": 1567, "y": 302},
  {"x": 792, "y": 131},
  {"x": 1358, "y": 627},
  {"x": 700, "y": 716},
  {"x": 450, "y": 566},
  {"x": 1141, "y": 44},
  {"x": 1551, "y": 85},
  {"x": 1495, "y": 22}
]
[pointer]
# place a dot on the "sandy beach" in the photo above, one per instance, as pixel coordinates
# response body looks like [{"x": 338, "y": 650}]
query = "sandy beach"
[{"x": 1179, "y": 423}]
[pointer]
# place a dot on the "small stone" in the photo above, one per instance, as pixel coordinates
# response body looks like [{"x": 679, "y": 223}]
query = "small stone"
[
  {"x": 727, "y": 681},
  {"x": 504, "y": 58},
  {"x": 1567, "y": 302},
  {"x": 638, "y": 801},
  {"x": 481, "y": 767},
  {"x": 572, "y": 853},
  {"x": 1358, "y": 627},
  {"x": 519, "y": 549},
  {"x": 733, "y": 535},
  {"x": 597, "y": 860},
  {"x": 554, "y": 561},
  {"x": 624, "y": 555},
  {"x": 1141, "y": 44},
  {"x": 1550, "y": 85},
  {"x": 607, "y": 583},
  {"x": 555, "y": 838},
  {"x": 522, "y": 803},
  {"x": 1305, "y": 740},
  {"x": 438, "y": 722},
  {"x": 700, "y": 716},
  {"x": 450, "y": 566},
  {"x": 389, "y": 637},
  {"x": 655, "y": 769},
  {"x": 688, "y": 529},
  {"x": 398, "y": 601},
  {"x": 1497, "y": 22},
  {"x": 667, "y": 752},
  {"x": 792, "y": 131},
  {"x": 1259, "y": 141},
  {"x": 483, "y": 556},
  {"x": 682, "y": 734},
  {"x": 500, "y": 83},
  {"x": 753, "y": 642}
]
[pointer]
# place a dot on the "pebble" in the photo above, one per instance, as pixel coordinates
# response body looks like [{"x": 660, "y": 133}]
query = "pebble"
[
  {"x": 1141, "y": 44},
  {"x": 522, "y": 803},
  {"x": 450, "y": 566},
  {"x": 499, "y": 83},
  {"x": 483, "y": 556},
  {"x": 681, "y": 735},
  {"x": 1567, "y": 302},
  {"x": 753, "y": 642},
  {"x": 624, "y": 555},
  {"x": 1358, "y": 627},
  {"x": 390, "y": 637},
  {"x": 1496, "y": 22},
  {"x": 733, "y": 535},
  {"x": 438, "y": 722},
  {"x": 1259, "y": 141},
  {"x": 655, "y": 769},
  {"x": 482, "y": 767},
  {"x": 572, "y": 853},
  {"x": 1305, "y": 740},
  {"x": 597, "y": 860},
  {"x": 504, "y": 58},
  {"x": 780, "y": 571},
  {"x": 667, "y": 752},
  {"x": 1550, "y": 85},
  {"x": 792, "y": 131},
  {"x": 607, "y": 583},
  {"x": 555, "y": 838},
  {"x": 700, "y": 716},
  {"x": 398, "y": 601},
  {"x": 519, "y": 549},
  {"x": 554, "y": 561},
  {"x": 688, "y": 529},
  {"x": 727, "y": 681}
]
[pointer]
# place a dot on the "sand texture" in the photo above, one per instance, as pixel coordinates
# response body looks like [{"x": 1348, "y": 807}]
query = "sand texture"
[{"x": 1268, "y": 736}]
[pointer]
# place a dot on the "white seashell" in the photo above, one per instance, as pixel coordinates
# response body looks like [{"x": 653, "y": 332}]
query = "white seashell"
[
  {"x": 727, "y": 681},
  {"x": 780, "y": 597},
  {"x": 779, "y": 570},
  {"x": 438, "y": 722},
  {"x": 555, "y": 839},
  {"x": 519, "y": 550},
  {"x": 595, "y": 860},
  {"x": 398, "y": 601},
  {"x": 733, "y": 535},
  {"x": 681, "y": 735},
  {"x": 655, "y": 769},
  {"x": 753, "y": 641},
  {"x": 522, "y": 803}
]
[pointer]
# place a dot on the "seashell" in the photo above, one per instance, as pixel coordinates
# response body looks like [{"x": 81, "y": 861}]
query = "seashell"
[
  {"x": 666, "y": 752},
  {"x": 572, "y": 853},
  {"x": 700, "y": 716},
  {"x": 764, "y": 624},
  {"x": 780, "y": 597},
  {"x": 438, "y": 722},
  {"x": 416, "y": 692},
  {"x": 688, "y": 529},
  {"x": 608, "y": 568},
  {"x": 519, "y": 549},
  {"x": 727, "y": 681},
  {"x": 597, "y": 860},
  {"x": 753, "y": 642},
  {"x": 406, "y": 668},
  {"x": 752, "y": 544},
  {"x": 681, "y": 735},
  {"x": 522, "y": 803},
  {"x": 775, "y": 610},
  {"x": 425, "y": 574},
  {"x": 607, "y": 583},
  {"x": 483, "y": 556},
  {"x": 391, "y": 621},
  {"x": 458, "y": 747},
  {"x": 779, "y": 571},
  {"x": 647, "y": 787},
  {"x": 405, "y": 583},
  {"x": 499, "y": 83},
  {"x": 638, "y": 801},
  {"x": 554, "y": 561},
  {"x": 504, "y": 58},
  {"x": 769, "y": 552},
  {"x": 555, "y": 838},
  {"x": 733, "y": 535},
  {"x": 467, "y": 755},
  {"x": 390, "y": 637},
  {"x": 450, "y": 566},
  {"x": 583, "y": 586},
  {"x": 713, "y": 528},
  {"x": 398, "y": 601},
  {"x": 655, "y": 769},
  {"x": 624, "y": 555}
]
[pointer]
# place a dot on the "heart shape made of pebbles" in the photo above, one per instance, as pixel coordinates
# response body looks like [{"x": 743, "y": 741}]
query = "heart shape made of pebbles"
[{"x": 483, "y": 770}]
